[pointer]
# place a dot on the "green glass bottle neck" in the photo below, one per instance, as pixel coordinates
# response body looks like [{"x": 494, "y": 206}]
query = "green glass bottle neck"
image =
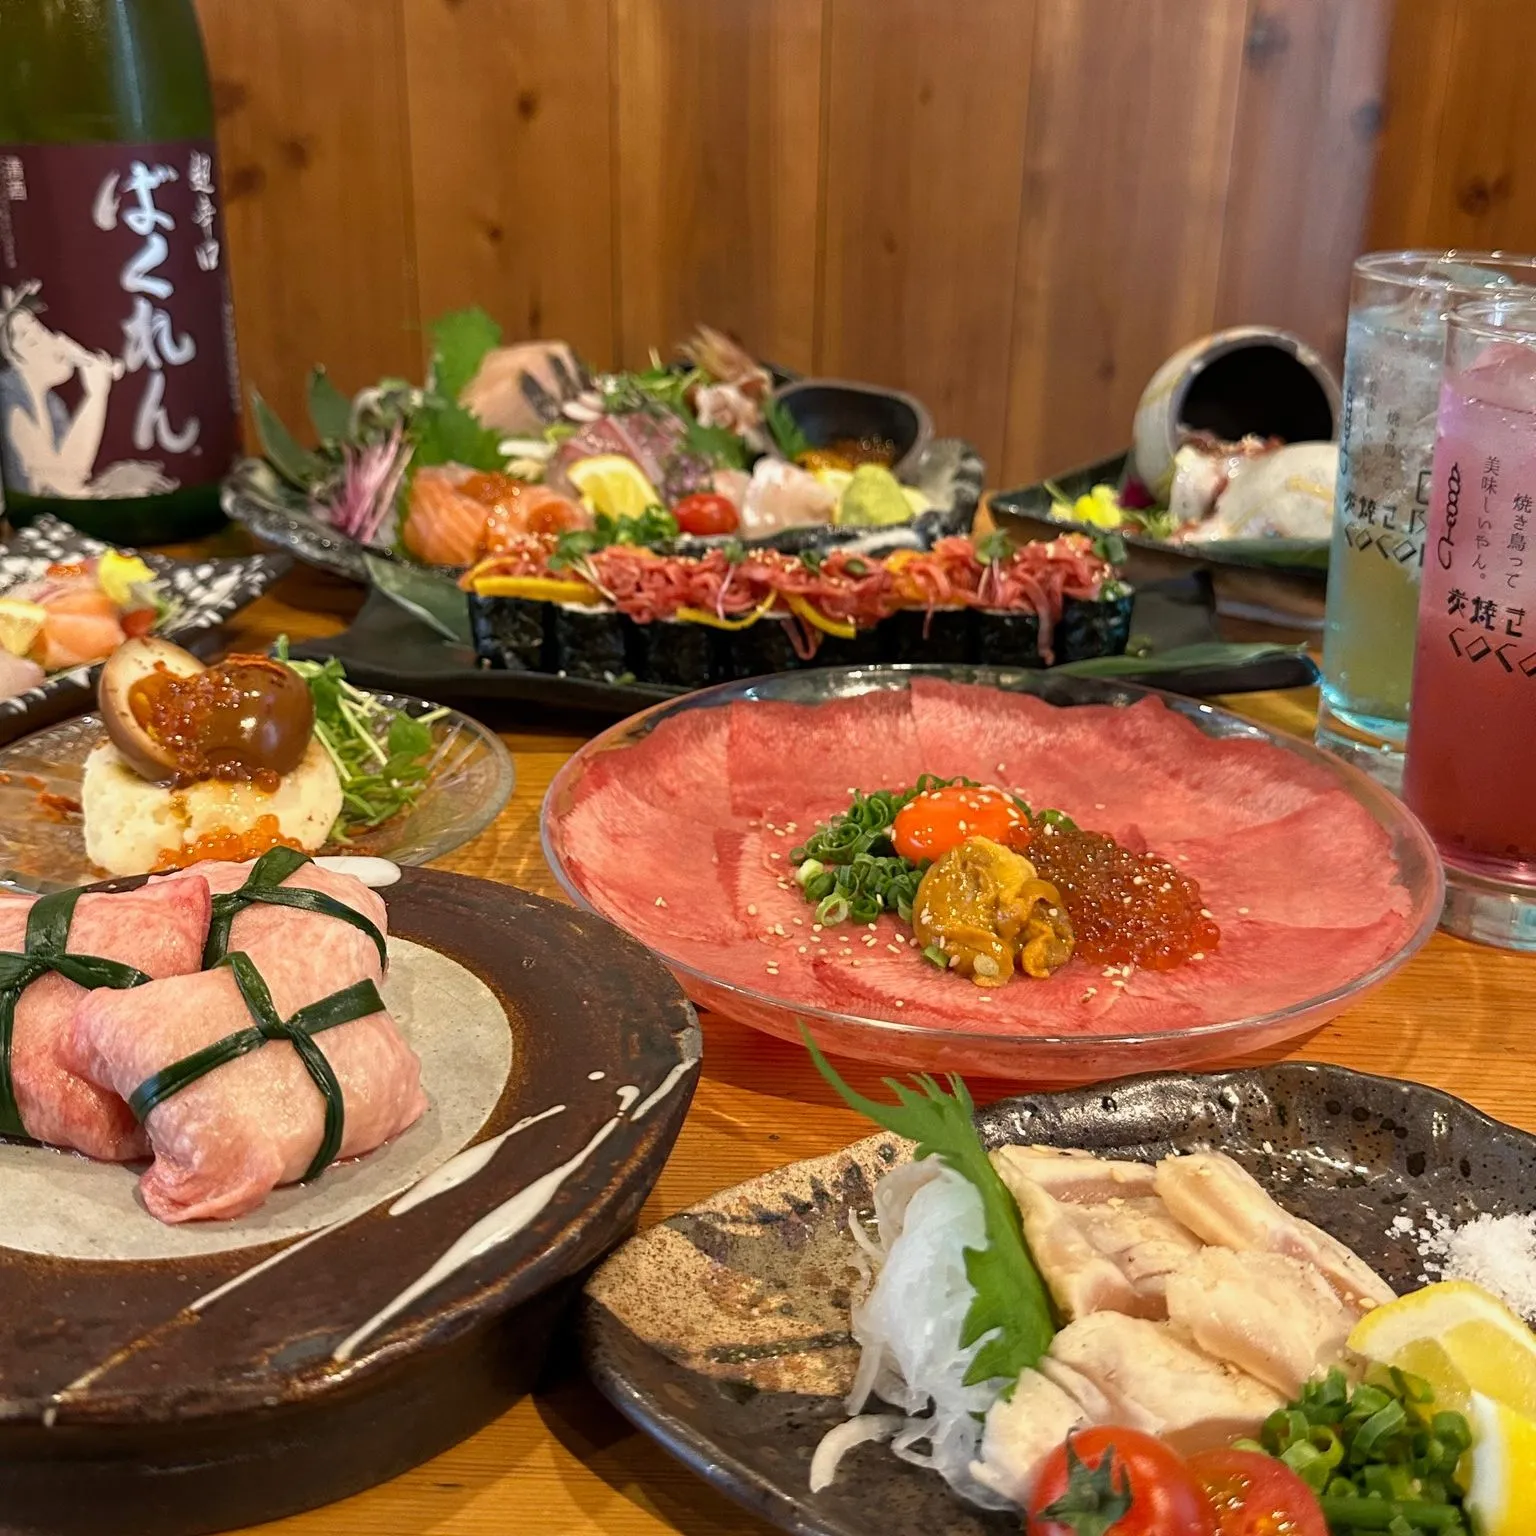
[{"x": 97, "y": 71}]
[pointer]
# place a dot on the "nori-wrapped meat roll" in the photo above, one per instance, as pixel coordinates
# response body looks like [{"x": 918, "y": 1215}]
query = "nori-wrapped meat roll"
[
  {"x": 759, "y": 649},
  {"x": 1008, "y": 637},
  {"x": 917, "y": 635},
  {"x": 1090, "y": 628},
  {"x": 862, "y": 651},
  {"x": 589, "y": 642},
  {"x": 673, "y": 652},
  {"x": 509, "y": 632}
]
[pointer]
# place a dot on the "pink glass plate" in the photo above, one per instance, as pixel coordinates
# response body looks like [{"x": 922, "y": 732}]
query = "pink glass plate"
[{"x": 1035, "y": 1057}]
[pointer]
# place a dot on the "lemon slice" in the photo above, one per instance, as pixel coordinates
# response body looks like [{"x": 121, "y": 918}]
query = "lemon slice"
[
  {"x": 1501, "y": 1492},
  {"x": 610, "y": 483},
  {"x": 118, "y": 574},
  {"x": 20, "y": 624},
  {"x": 1461, "y": 1340}
]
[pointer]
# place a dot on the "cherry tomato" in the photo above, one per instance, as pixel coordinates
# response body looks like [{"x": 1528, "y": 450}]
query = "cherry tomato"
[
  {"x": 1254, "y": 1495},
  {"x": 704, "y": 513},
  {"x": 137, "y": 622},
  {"x": 1102, "y": 1470},
  {"x": 929, "y": 825}
]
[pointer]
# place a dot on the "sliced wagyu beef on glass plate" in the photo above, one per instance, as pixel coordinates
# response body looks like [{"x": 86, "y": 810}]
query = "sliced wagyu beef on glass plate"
[
  {"x": 150, "y": 933},
  {"x": 679, "y": 826},
  {"x": 271, "y": 1064}
]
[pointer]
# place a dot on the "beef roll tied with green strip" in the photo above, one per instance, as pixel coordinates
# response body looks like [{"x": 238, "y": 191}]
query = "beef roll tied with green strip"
[
  {"x": 52, "y": 951},
  {"x": 274, "y": 1062}
]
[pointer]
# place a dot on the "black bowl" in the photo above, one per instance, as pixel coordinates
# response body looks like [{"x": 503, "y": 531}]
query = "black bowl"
[{"x": 826, "y": 410}]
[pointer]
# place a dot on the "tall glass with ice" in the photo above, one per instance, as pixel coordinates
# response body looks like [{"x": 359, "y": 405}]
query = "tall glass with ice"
[
  {"x": 1393, "y": 354},
  {"x": 1471, "y": 757}
]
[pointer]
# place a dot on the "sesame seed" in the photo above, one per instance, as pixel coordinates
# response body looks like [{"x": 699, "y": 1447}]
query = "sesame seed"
[
  {"x": 751, "y": 910},
  {"x": 1099, "y": 805},
  {"x": 778, "y": 928},
  {"x": 895, "y": 949},
  {"x": 1117, "y": 982},
  {"x": 1242, "y": 911},
  {"x": 778, "y": 831},
  {"x": 1198, "y": 955},
  {"x": 661, "y": 901},
  {"x": 1090, "y": 992},
  {"x": 775, "y": 857},
  {"x": 1204, "y": 913},
  {"x": 799, "y": 922},
  {"x": 900, "y": 1003},
  {"x": 801, "y": 949},
  {"x": 858, "y": 962},
  {"x": 1001, "y": 768},
  {"x": 815, "y": 927}
]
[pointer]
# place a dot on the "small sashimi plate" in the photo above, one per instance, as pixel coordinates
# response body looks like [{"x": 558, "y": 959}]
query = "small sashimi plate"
[
  {"x": 686, "y": 826},
  {"x": 724, "y": 1332},
  {"x": 216, "y": 1373},
  {"x": 42, "y": 841},
  {"x": 194, "y": 597}
]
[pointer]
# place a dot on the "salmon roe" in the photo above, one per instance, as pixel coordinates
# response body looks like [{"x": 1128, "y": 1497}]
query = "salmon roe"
[
  {"x": 263, "y": 834},
  {"x": 1126, "y": 908}
]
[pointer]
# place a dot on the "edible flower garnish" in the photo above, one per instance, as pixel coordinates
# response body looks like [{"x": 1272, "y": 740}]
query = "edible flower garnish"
[{"x": 1011, "y": 1311}]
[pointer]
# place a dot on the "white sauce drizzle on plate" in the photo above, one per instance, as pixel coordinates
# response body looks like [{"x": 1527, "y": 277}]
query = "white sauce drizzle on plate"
[
  {"x": 457, "y": 1170},
  {"x": 505, "y": 1221},
  {"x": 375, "y": 873}
]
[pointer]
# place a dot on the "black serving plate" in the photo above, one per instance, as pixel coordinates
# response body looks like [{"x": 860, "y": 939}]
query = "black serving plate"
[
  {"x": 207, "y": 593},
  {"x": 723, "y": 1332},
  {"x": 387, "y": 646}
]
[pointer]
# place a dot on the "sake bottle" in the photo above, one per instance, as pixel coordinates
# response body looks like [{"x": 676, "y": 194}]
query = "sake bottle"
[{"x": 119, "y": 391}]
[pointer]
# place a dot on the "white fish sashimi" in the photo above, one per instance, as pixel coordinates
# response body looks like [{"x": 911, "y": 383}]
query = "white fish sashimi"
[{"x": 909, "y": 1325}]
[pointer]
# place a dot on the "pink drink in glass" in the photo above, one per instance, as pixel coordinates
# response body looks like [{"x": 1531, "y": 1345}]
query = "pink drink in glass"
[{"x": 1471, "y": 759}]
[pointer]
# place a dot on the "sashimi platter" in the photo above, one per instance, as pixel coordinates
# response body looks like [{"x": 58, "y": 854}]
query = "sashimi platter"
[
  {"x": 997, "y": 871},
  {"x": 291, "y": 1148}
]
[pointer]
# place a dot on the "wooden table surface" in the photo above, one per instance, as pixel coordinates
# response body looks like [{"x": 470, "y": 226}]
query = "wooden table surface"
[{"x": 1458, "y": 1017}]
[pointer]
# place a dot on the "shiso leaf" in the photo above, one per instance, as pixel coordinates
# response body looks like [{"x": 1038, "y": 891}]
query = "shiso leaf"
[
  {"x": 787, "y": 436},
  {"x": 1011, "y": 1301},
  {"x": 295, "y": 463},
  {"x": 460, "y": 340},
  {"x": 330, "y": 411}
]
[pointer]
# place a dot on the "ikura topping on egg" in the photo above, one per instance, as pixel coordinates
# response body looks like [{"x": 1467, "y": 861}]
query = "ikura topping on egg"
[
  {"x": 933, "y": 823},
  {"x": 176, "y": 721}
]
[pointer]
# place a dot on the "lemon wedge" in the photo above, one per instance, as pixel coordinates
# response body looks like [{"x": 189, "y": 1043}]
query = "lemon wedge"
[
  {"x": 1501, "y": 1490},
  {"x": 20, "y": 624},
  {"x": 610, "y": 483},
  {"x": 1461, "y": 1340},
  {"x": 118, "y": 574}
]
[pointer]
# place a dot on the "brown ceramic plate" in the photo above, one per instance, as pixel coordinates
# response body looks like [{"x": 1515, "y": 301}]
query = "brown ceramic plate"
[
  {"x": 204, "y": 1386},
  {"x": 724, "y": 1331}
]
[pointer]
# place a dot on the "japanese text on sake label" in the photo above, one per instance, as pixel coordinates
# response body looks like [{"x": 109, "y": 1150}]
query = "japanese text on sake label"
[
  {"x": 1485, "y": 605},
  {"x": 116, "y": 360}
]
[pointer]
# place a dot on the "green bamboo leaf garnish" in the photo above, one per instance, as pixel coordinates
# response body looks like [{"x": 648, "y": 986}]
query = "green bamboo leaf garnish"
[{"x": 1011, "y": 1301}]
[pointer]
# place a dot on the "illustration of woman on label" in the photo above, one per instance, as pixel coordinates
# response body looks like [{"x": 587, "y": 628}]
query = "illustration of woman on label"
[{"x": 47, "y": 448}]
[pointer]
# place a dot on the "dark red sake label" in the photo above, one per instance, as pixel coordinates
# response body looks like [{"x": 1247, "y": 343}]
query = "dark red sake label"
[{"x": 117, "y": 359}]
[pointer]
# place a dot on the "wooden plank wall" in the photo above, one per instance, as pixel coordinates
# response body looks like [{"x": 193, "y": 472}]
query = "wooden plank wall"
[{"x": 1015, "y": 208}]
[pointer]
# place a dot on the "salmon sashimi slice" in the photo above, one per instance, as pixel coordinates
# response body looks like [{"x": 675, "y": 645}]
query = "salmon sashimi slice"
[
  {"x": 159, "y": 930},
  {"x": 457, "y": 515},
  {"x": 225, "y": 1141},
  {"x": 1222, "y": 1203},
  {"x": 82, "y": 626}
]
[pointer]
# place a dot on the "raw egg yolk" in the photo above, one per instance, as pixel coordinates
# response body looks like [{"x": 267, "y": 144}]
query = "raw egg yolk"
[{"x": 932, "y": 823}]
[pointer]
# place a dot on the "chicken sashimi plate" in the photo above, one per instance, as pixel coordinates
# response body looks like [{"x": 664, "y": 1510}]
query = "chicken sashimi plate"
[
  {"x": 1204, "y": 1306},
  {"x": 991, "y": 870}
]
